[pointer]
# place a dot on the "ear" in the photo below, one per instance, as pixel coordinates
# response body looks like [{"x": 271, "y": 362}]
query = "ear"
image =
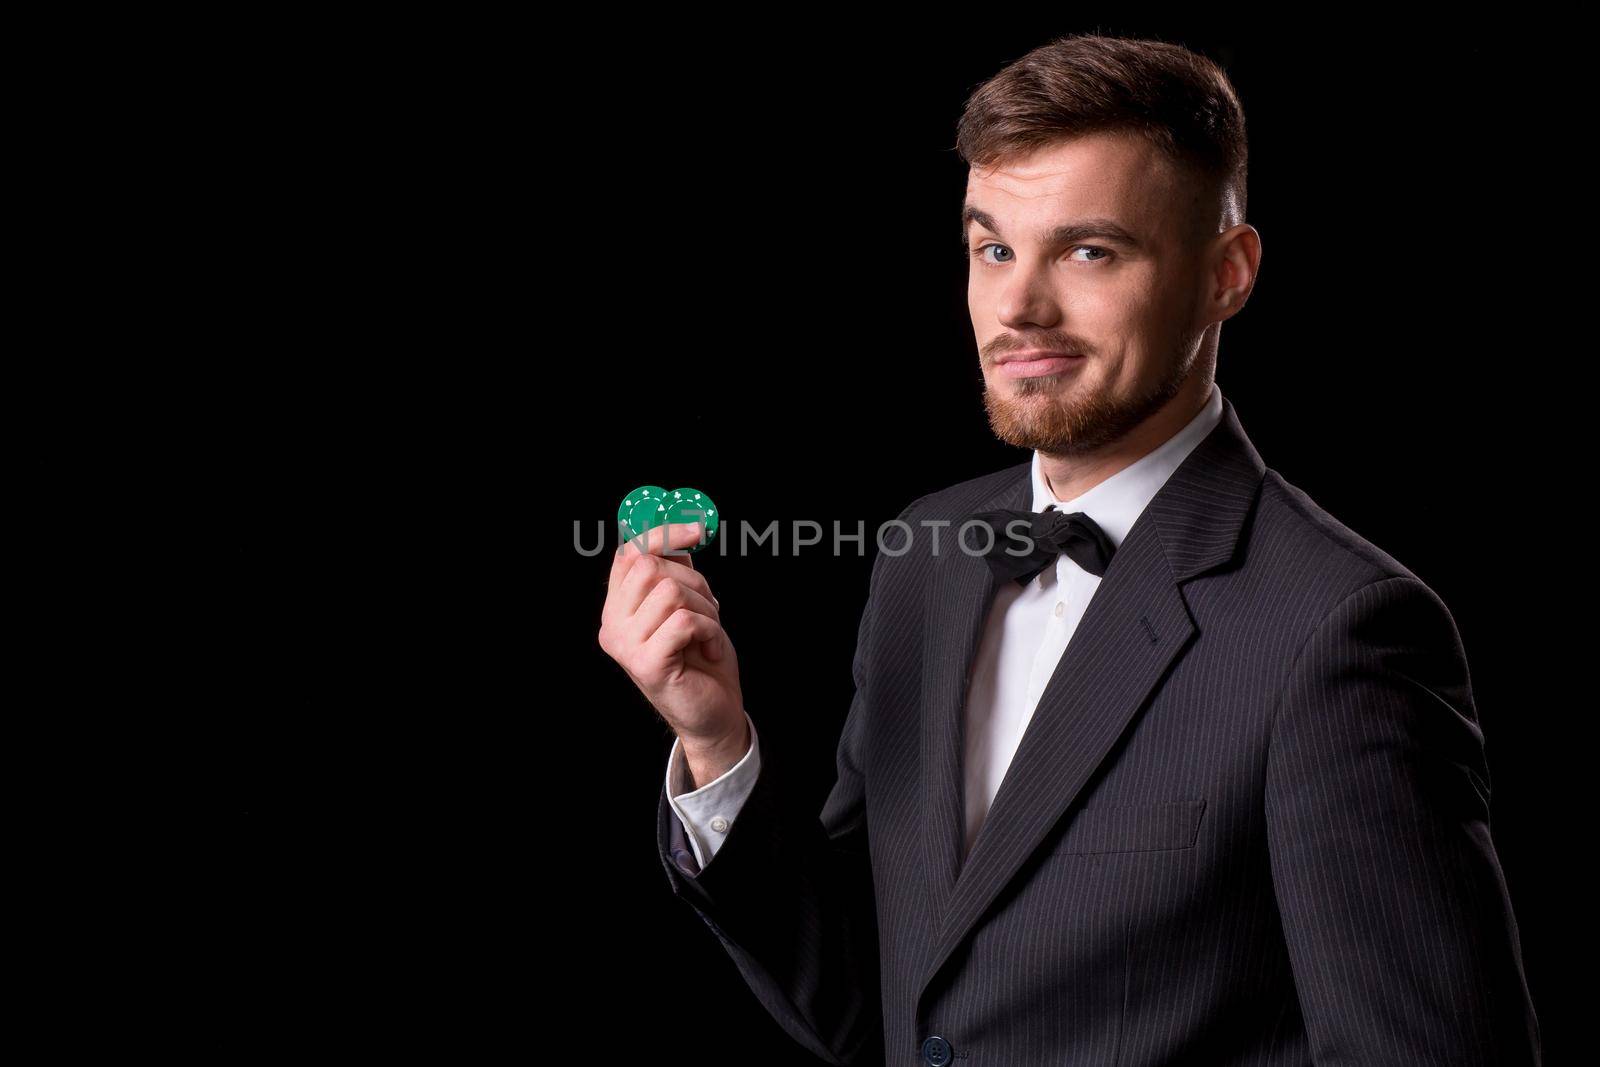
[{"x": 1233, "y": 261}]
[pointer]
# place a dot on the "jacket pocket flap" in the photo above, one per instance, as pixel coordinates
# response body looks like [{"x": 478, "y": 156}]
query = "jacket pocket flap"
[{"x": 1163, "y": 824}]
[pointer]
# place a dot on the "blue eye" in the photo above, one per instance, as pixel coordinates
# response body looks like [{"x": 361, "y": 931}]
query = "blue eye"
[{"x": 978, "y": 252}]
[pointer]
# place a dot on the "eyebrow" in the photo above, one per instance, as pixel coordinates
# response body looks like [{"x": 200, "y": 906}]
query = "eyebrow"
[{"x": 1066, "y": 233}]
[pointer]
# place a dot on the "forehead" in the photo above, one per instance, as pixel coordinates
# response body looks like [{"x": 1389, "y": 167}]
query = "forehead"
[{"x": 1114, "y": 175}]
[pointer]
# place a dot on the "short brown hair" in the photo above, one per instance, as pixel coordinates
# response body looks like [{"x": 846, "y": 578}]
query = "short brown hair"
[{"x": 1181, "y": 101}]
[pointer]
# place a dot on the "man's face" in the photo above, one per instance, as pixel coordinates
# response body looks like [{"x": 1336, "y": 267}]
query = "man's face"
[{"x": 1085, "y": 247}]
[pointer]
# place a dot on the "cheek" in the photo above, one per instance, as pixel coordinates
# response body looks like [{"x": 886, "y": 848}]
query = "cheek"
[
  {"x": 1133, "y": 291},
  {"x": 1167, "y": 296},
  {"x": 1129, "y": 308}
]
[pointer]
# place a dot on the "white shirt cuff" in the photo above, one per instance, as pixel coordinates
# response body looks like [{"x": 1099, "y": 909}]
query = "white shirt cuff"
[{"x": 707, "y": 813}]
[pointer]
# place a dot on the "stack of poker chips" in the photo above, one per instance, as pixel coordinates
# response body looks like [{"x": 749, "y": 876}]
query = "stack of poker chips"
[{"x": 650, "y": 506}]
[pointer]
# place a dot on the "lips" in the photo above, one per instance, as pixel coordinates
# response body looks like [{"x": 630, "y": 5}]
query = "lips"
[
  {"x": 1033, "y": 354},
  {"x": 1035, "y": 364}
]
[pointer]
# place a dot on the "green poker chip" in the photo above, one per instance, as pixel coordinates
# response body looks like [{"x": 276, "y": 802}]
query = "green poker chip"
[
  {"x": 647, "y": 515},
  {"x": 632, "y": 519},
  {"x": 691, "y": 505}
]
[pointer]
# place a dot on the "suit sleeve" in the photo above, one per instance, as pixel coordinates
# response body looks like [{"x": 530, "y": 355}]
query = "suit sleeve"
[
  {"x": 1398, "y": 923},
  {"x": 789, "y": 892}
]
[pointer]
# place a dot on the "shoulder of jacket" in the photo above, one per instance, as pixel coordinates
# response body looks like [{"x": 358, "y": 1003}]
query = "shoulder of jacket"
[
  {"x": 1318, "y": 547},
  {"x": 1286, "y": 503}
]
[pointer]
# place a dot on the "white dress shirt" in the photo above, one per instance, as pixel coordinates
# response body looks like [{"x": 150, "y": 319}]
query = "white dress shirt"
[{"x": 1028, "y": 629}]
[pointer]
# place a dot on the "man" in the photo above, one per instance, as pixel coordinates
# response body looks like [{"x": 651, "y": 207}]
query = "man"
[{"x": 1200, "y": 780}]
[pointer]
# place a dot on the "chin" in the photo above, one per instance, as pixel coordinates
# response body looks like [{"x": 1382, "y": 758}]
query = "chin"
[{"x": 1039, "y": 385}]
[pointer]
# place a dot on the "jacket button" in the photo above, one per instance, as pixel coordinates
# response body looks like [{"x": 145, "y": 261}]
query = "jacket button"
[{"x": 936, "y": 1052}]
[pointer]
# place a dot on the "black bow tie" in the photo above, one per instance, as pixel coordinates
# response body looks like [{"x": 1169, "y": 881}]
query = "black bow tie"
[{"x": 1051, "y": 533}]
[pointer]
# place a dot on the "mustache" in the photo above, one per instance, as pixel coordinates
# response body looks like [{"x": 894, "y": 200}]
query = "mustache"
[{"x": 1015, "y": 343}]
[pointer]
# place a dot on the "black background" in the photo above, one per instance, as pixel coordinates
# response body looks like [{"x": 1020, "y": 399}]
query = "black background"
[{"x": 728, "y": 258}]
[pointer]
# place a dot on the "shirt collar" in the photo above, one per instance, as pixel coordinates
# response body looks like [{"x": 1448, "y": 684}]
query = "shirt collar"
[{"x": 1119, "y": 500}]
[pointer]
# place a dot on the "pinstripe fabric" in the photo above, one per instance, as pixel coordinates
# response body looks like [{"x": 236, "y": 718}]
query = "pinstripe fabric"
[{"x": 1247, "y": 823}]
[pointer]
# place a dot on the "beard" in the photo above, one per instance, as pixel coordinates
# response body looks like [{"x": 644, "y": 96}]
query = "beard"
[{"x": 1041, "y": 413}]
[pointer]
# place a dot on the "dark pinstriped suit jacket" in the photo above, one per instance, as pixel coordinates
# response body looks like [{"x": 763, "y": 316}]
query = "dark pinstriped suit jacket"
[{"x": 1248, "y": 822}]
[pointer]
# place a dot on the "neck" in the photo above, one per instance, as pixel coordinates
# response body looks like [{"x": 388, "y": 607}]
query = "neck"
[{"x": 1069, "y": 476}]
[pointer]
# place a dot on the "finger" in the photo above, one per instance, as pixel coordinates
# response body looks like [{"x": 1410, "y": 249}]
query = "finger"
[
  {"x": 680, "y": 537},
  {"x": 671, "y": 568},
  {"x": 643, "y": 576},
  {"x": 644, "y": 571},
  {"x": 619, "y": 564},
  {"x": 623, "y": 602},
  {"x": 668, "y": 540},
  {"x": 674, "y": 635},
  {"x": 664, "y": 598},
  {"x": 629, "y": 584}
]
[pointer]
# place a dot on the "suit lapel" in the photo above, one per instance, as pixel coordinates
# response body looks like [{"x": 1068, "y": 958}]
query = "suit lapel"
[
  {"x": 959, "y": 595},
  {"x": 1134, "y": 627}
]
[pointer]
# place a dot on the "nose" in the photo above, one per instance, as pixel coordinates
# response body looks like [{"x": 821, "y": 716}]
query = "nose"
[{"x": 1027, "y": 299}]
